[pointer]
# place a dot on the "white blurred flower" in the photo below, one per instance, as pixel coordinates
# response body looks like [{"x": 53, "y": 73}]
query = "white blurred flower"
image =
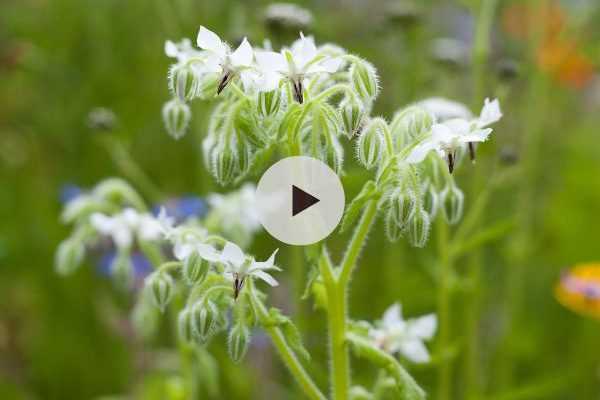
[
  {"x": 222, "y": 59},
  {"x": 301, "y": 61},
  {"x": 238, "y": 266},
  {"x": 444, "y": 109},
  {"x": 182, "y": 51},
  {"x": 393, "y": 334},
  {"x": 126, "y": 226}
]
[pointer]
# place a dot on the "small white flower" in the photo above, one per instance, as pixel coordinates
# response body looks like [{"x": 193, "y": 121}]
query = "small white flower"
[
  {"x": 446, "y": 137},
  {"x": 393, "y": 334},
  {"x": 223, "y": 59},
  {"x": 182, "y": 51},
  {"x": 444, "y": 109},
  {"x": 301, "y": 61},
  {"x": 238, "y": 266},
  {"x": 126, "y": 226}
]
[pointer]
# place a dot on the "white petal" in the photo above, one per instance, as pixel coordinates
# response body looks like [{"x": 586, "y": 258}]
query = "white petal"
[
  {"x": 208, "y": 40},
  {"x": 265, "y": 265},
  {"x": 270, "y": 61},
  {"x": 442, "y": 132},
  {"x": 444, "y": 109},
  {"x": 490, "y": 113},
  {"x": 207, "y": 252},
  {"x": 171, "y": 49},
  {"x": 242, "y": 56},
  {"x": 329, "y": 65},
  {"x": 480, "y": 135},
  {"x": 393, "y": 315},
  {"x": 304, "y": 52},
  {"x": 265, "y": 277},
  {"x": 182, "y": 250},
  {"x": 420, "y": 151},
  {"x": 414, "y": 350},
  {"x": 101, "y": 223},
  {"x": 423, "y": 327},
  {"x": 122, "y": 236},
  {"x": 232, "y": 254}
]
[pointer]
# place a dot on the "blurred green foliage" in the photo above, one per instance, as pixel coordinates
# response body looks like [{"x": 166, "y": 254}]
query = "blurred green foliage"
[{"x": 67, "y": 338}]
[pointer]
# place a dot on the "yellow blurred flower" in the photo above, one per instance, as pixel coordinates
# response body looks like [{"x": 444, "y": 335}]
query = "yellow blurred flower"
[{"x": 579, "y": 289}]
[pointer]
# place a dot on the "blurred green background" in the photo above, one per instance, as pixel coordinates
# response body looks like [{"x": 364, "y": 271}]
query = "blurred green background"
[{"x": 68, "y": 338}]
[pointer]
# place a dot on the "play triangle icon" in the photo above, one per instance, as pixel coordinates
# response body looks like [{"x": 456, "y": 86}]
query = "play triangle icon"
[{"x": 301, "y": 200}]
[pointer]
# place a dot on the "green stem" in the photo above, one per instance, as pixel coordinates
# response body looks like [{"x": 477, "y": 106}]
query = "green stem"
[
  {"x": 286, "y": 353},
  {"x": 481, "y": 46},
  {"x": 445, "y": 368}
]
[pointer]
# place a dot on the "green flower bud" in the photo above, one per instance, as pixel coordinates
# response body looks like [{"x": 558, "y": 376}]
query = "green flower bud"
[
  {"x": 176, "y": 117},
  {"x": 183, "y": 82},
  {"x": 369, "y": 146},
  {"x": 185, "y": 325},
  {"x": 364, "y": 80},
  {"x": 69, "y": 256},
  {"x": 244, "y": 153},
  {"x": 239, "y": 341},
  {"x": 269, "y": 102},
  {"x": 401, "y": 206},
  {"x": 359, "y": 393},
  {"x": 352, "y": 113},
  {"x": 161, "y": 287},
  {"x": 393, "y": 231},
  {"x": 194, "y": 269},
  {"x": 431, "y": 201},
  {"x": 121, "y": 269},
  {"x": 224, "y": 164},
  {"x": 247, "y": 127},
  {"x": 453, "y": 201},
  {"x": 418, "y": 228},
  {"x": 207, "y": 85},
  {"x": 206, "y": 319},
  {"x": 334, "y": 155},
  {"x": 145, "y": 318},
  {"x": 410, "y": 123}
]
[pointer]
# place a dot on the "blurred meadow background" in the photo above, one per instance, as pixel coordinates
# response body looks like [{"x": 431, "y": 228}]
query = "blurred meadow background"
[{"x": 82, "y": 84}]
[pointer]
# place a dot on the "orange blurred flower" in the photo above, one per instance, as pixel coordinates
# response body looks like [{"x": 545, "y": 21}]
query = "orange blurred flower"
[{"x": 579, "y": 290}]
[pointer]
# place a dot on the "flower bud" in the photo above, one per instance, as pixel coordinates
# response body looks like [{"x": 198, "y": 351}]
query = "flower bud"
[
  {"x": 269, "y": 102},
  {"x": 393, "y": 231},
  {"x": 185, "y": 325},
  {"x": 431, "y": 201},
  {"x": 402, "y": 204},
  {"x": 206, "y": 319},
  {"x": 161, "y": 287},
  {"x": 409, "y": 124},
  {"x": 352, "y": 113},
  {"x": 69, "y": 256},
  {"x": 183, "y": 82},
  {"x": 224, "y": 164},
  {"x": 207, "y": 85},
  {"x": 244, "y": 153},
  {"x": 239, "y": 340},
  {"x": 194, "y": 269},
  {"x": 121, "y": 269},
  {"x": 176, "y": 117},
  {"x": 247, "y": 127},
  {"x": 364, "y": 79},
  {"x": 334, "y": 155},
  {"x": 145, "y": 319},
  {"x": 453, "y": 201},
  {"x": 418, "y": 228},
  {"x": 369, "y": 146}
]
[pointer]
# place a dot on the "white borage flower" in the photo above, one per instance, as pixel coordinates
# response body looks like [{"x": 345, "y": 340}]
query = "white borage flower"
[
  {"x": 393, "y": 334},
  {"x": 239, "y": 266},
  {"x": 302, "y": 60},
  {"x": 448, "y": 136},
  {"x": 126, "y": 226},
  {"x": 443, "y": 109},
  {"x": 182, "y": 51},
  {"x": 222, "y": 59}
]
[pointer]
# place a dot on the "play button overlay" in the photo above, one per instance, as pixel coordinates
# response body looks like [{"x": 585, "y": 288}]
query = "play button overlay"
[{"x": 300, "y": 200}]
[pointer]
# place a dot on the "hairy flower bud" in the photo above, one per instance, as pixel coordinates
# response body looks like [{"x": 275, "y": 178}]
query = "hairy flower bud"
[
  {"x": 183, "y": 82},
  {"x": 269, "y": 102},
  {"x": 69, "y": 256},
  {"x": 239, "y": 340},
  {"x": 418, "y": 228},
  {"x": 121, "y": 269},
  {"x": 409, "y": 124},
  {"x": 194, "y": 269},
  {"x": 393, "y": 231},
  {"x": 185, "y": 325},
  {"x": 369, "y": 146},
  {"x": 352, "y": 112},
  {"x": 206, "y": 319},
  {"x": 161, "y": 287},
  {"x": 431, "y": 201},
  {"x": 247, "y": 127},
  {"x": 364, "y": 79},
  {"x": 176, "y": 117},
  {"x": 224, "y": 164},
  {"x": 453, "y": 201},
  {"x": 334, "y": 155},
  {"x": 401, "y": 206},
  {"x": 207, "y": 85}
]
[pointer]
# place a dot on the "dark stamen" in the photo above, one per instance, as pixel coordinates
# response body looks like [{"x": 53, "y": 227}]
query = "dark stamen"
[
  {"x": 238, "y": 284},
  {"x": 472, "y": 151},
  {"x": 298, "y": 94},
  {"x": 224, "y": 81},
  {"x": 451, "y": 162}
]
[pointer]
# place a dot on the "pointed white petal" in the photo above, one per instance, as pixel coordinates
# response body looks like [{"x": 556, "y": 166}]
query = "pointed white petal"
[
  {"x": 393, "y": 315},
  {"x": 101, "y": 223},
  {"x": 208, "y": 40},
  {"x": 171, "y": 49},
  {"x": 271, "y": 61},
  {"x": 232, "y": 254},
  {"x": 420, "y": 151},
  {"x": 414, "y": 350},
  {"x": 181, "y": 251},
  {"x": 480, "y": 135},
  {"x": 207, "y": 252},
  {"x": 329, "y": 65},
  {"x": 423, "y": 327},
  {"x": 304, "y": 52},
  {"x": 243, "y": 55},
  {"x": 490, "y": 113},
  {"x": 265, "y": 277}
]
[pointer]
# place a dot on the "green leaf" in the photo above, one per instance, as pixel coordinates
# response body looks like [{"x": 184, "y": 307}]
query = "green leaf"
[
  {"x": 289, "y": 330},
  {"x": 368, "y": 191}
]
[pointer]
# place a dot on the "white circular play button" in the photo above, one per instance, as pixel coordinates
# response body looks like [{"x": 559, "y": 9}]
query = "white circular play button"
[{"x": 300, "y": 200}]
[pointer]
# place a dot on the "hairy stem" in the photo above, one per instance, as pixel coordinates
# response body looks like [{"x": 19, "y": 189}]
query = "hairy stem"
[{"x": 445, "y": 368}]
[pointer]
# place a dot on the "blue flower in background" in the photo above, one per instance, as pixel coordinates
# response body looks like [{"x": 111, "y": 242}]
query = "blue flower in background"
[
  {"x": 182, "y": 208},
  {"x": 141, "y": 266},
  {"x": 68, "y": 192}
]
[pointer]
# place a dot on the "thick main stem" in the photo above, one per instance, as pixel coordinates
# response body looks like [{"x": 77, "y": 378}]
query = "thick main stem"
[
  {"x": 337, "y": 292},
  {"x": 445, "y": 368}
]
